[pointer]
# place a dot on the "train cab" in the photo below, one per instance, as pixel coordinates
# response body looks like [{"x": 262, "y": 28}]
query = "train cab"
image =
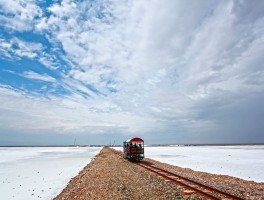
[{"x": 133, "y": 149}]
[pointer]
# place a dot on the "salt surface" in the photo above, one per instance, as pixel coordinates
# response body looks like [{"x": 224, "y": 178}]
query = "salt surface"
[
  {"x": 246, "y": 162},
  {"x": 40, "y": 172}
]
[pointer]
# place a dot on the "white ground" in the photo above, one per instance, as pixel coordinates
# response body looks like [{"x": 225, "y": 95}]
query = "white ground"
[
  {"x": 40, "y": 172},
  {"x": 246, "y": 162}
]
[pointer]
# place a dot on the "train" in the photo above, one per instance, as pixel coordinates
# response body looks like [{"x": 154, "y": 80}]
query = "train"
[{"x": 133, "y": 149}]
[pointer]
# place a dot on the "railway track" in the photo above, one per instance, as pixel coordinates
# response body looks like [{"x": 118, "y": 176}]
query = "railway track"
[{"x": 194, "y": 186}]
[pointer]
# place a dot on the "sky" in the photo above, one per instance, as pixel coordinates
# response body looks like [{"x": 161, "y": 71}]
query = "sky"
[{"x": 100, "y": 72}]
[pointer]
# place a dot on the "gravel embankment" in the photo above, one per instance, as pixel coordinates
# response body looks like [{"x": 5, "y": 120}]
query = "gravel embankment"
[{"x": 109, "y": 176}]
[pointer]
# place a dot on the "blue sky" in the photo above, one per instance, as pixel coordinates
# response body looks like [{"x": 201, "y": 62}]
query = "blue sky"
[{"x": 103, "y": 71}]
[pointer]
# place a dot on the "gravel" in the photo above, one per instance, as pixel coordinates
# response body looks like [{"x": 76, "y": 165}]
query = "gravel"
[{"x": 109, "y": 176}]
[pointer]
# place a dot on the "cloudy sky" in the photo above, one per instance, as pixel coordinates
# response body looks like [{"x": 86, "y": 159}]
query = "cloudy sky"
[{"x": 102, "y": 71}]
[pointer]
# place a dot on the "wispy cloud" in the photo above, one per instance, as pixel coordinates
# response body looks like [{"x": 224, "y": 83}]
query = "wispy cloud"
[
  {"x": 16, "y": 48},
  {"x": 40, "y": 77}
]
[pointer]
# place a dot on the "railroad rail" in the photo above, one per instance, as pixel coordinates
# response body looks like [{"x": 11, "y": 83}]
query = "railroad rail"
[
  {"x": 196, "y": 187},
  {"x": 205, "y": 190}
]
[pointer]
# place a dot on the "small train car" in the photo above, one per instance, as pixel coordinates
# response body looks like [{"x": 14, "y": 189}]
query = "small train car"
[{"x": 133, "y": 149}]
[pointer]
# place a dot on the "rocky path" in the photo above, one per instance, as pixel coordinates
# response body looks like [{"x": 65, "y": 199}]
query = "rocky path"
[{"x": 109, "y": 176}]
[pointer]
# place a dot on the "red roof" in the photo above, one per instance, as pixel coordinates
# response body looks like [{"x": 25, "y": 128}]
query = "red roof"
[{"x": 136, "y": 139}]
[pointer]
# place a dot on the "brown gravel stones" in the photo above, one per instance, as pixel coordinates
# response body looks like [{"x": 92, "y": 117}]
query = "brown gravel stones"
[
  {"x": 245, "y": 189},
  {"x": 109, "y": 176}
]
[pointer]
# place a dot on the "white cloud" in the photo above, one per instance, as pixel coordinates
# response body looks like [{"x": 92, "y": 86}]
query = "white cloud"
[
  {"x": 64, "y": 115},
  {"x": 16, "y": 48},
  {"x": 19, "y": 14},
  {"x": 37, "y": 76},
  {"x": 158, "y": 65}
]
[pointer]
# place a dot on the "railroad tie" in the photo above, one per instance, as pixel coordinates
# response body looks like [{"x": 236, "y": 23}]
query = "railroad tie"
[{"x": 188, "y": 192}]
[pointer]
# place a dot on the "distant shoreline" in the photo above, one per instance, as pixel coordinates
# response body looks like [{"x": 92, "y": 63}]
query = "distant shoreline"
[
  {"x": 148, "y": 145},
  {"x": 53, "y": 146}
]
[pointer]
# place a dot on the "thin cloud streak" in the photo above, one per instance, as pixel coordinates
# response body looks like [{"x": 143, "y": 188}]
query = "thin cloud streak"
[{"x": 40, "y": 77}]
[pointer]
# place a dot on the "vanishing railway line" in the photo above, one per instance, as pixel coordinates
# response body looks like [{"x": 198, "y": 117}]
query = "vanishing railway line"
[{"x": 196, "y": 187}]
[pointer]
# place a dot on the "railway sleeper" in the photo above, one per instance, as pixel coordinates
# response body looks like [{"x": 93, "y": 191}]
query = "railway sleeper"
[{"x": 188, "y": 192}]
